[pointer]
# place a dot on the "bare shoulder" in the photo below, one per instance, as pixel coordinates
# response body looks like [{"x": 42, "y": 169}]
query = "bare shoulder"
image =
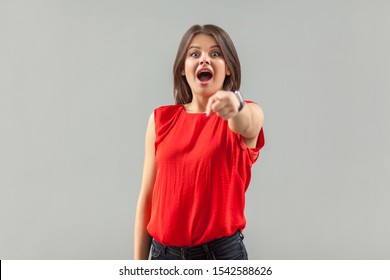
[
  {"x": 257, "y": 112},
  {"x": 150, "y": 131},
  {"x": 257, "y": 118},
  {"x": 257, "y": 121},
  {"x": 151, "y": 119}
]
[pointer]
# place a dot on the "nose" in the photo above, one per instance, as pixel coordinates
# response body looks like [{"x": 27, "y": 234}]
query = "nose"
[{"x": 205, "y": 59}]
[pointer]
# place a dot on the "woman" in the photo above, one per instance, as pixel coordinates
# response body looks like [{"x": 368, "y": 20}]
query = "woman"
[{"x": 198, "y": 156}]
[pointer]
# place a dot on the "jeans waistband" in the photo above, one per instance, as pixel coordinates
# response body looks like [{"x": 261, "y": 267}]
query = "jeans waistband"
[{"x": 198, "y": 249}]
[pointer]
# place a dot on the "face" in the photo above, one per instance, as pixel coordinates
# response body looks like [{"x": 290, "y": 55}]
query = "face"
[{"x": 204, "y": 67}]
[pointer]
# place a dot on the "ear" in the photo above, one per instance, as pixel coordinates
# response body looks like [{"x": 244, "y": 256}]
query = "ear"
[
  {"x": 227, "y": 72},
  {"x": 183, "y": 73}
]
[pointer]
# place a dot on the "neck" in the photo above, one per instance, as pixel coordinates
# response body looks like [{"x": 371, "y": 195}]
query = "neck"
[{"x": 198, "y": 104}]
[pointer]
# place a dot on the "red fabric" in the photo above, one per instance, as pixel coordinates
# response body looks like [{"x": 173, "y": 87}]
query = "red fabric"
[{"x": 202, "y": 172}]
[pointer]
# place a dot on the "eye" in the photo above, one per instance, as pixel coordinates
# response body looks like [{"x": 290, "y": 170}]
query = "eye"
[
  {"x": 216, "y": 54},
  {"x": 194, "y": 54}
]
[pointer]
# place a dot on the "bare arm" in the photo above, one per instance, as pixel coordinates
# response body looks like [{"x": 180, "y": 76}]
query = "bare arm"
[
  {"x": 142, "y": 239},
  {"x": 248, "y": 122}
]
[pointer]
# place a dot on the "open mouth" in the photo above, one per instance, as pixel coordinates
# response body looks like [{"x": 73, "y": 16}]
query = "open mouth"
[{"x": 204, "y": 75}]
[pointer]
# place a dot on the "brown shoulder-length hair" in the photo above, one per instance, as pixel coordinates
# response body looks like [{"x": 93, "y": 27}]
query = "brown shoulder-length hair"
[{"x": 182, "y": 90}]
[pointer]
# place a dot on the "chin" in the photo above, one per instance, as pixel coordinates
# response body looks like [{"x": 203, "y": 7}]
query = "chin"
[
  {"x": 209, "y": 90},
  {"x": 205, "y": 92}
]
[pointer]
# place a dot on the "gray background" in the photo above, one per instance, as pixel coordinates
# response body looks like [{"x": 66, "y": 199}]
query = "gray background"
[{"x": 78, "y": 80}]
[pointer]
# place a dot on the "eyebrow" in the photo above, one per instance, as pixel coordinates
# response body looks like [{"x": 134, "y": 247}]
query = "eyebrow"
[{"x": 196, "y": 47}]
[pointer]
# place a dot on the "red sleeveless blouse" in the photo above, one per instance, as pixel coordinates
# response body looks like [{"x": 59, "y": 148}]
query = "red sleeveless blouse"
[{"x": 202, "y": 172}]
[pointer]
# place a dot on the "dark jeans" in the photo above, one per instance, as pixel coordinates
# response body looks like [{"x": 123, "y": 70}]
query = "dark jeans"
[{"x": 225, "y": 248}]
